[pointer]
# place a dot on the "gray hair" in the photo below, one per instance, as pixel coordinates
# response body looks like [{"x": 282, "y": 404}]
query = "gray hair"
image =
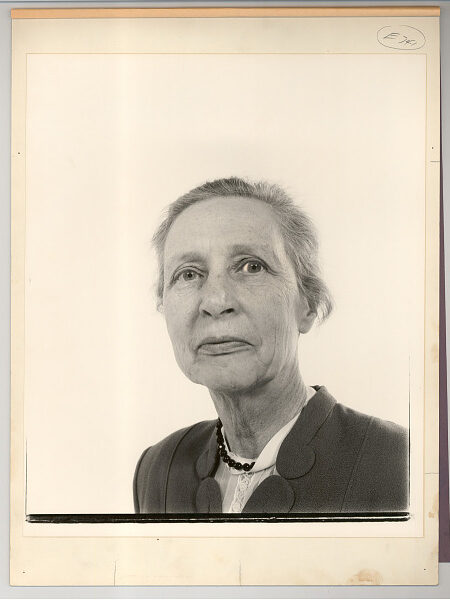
[{"x": 297, "y": 228}]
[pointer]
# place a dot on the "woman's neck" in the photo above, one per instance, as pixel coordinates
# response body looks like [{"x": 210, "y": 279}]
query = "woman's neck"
[{"x": 250, "y": 419}]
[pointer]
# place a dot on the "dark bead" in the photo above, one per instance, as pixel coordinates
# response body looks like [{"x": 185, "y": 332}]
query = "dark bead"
[
  {"x": 247, "y": 467},
  {"x": 238, "y": 466},
  {"x": 223, "y": 452},
  {"x": 232, "y": 462},
  {"x": 226, "y": 459}
]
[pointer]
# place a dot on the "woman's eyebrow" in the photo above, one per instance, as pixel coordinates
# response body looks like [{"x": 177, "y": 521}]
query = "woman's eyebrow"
[
  {"x": 264, "y": 249},
  {"x": 185, "y": 257}
]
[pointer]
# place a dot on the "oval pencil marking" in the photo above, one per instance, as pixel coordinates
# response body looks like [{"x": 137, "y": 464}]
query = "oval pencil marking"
[{"x": 401, "y": 37}]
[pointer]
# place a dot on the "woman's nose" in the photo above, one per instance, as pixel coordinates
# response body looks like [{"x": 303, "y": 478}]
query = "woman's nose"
[{"x": 217, "y": 298}]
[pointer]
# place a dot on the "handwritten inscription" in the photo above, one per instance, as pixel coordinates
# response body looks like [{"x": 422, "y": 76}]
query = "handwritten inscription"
[{"x": 401, "y": 37}]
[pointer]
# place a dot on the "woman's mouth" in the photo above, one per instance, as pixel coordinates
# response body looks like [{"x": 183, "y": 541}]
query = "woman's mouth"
[{"x": 219, "y": 346}]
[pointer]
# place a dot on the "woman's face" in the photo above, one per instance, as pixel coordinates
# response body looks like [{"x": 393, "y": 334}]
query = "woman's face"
[{"x": 231, "y": 302}]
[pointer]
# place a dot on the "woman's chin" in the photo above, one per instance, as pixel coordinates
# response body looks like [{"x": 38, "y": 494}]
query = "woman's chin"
[{"x": 220, "y": 380}]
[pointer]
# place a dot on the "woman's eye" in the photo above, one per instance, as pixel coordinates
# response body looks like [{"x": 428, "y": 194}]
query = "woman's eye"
[
  {"x": 187, "y": 275},
  {"x": 253, "y": 266}
]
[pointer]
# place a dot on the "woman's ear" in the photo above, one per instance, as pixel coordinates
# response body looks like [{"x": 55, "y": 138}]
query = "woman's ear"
[
  {"x": 305, "y": 316},
  {"x": 307, "y": 321}
]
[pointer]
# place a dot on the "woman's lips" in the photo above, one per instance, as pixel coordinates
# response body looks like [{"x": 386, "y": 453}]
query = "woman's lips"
[{"x": 222, "y": 347}]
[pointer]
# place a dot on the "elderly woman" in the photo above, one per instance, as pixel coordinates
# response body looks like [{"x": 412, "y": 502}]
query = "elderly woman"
[{"x": 239, "y": 282}]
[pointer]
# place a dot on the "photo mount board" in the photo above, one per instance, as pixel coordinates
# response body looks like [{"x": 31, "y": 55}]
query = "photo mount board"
[{"x": 36, "y": 546}]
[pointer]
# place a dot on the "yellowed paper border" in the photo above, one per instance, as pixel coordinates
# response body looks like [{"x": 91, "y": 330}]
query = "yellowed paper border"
[{"x": 211, "y": 12}]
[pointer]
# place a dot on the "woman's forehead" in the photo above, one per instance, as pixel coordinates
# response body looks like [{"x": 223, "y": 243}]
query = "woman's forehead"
[{"x": 224, "y": 222}]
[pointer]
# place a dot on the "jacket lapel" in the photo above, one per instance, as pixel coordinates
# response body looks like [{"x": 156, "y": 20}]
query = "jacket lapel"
[
  {"x": 208, "y": 498},
  {"x": 208, "y": 459},
  {"x": 295, "y": 458},
  {"x": 273, "y": 495}
]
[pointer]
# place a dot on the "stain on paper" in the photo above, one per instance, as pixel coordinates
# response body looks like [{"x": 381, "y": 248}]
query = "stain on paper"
[
  {"x": 434, "y": 512},
  {"x": 366, "y": 577},
  {"x": 435, "y": 353}
]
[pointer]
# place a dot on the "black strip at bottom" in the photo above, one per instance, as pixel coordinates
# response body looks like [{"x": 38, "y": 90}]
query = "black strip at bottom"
[{"x": 220, "y": 518}]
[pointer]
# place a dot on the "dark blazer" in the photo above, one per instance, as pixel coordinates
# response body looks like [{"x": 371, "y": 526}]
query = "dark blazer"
[{"x": 334, "y": 460}]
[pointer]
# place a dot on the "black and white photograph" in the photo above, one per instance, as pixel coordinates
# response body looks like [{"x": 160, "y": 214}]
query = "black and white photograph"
[
  {"x": 228, "y": 253},
  {"x": 239, "y": 283},
  {"x": 278, "y": 300}
]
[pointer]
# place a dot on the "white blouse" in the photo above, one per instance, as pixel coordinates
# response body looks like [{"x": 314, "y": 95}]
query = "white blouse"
[{"x": 237, "y": 486}]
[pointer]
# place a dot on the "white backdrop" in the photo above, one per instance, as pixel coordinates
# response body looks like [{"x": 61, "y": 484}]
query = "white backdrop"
[{"x": 113, "y": 139}]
